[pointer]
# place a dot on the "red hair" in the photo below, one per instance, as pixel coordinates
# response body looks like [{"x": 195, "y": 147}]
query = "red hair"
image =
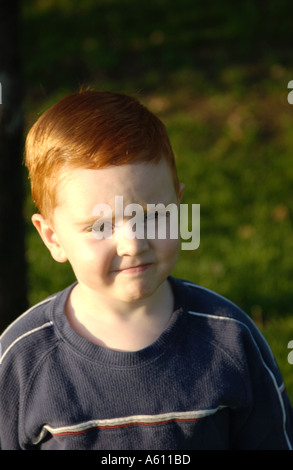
[{"x": 92, "y": 130}]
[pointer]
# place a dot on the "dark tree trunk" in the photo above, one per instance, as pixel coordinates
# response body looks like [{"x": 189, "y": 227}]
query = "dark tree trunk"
[{"x": 13, "y": 287}]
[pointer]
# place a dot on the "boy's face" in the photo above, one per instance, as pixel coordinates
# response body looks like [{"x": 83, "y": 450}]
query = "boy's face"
[{"x": 118, "y": 267}]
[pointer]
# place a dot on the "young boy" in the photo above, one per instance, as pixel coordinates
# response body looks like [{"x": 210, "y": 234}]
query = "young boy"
[{"x": 128, "y": 357}]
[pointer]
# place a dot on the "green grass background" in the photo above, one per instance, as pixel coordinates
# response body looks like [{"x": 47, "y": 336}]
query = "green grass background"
[{"x": 217, "y": 74}]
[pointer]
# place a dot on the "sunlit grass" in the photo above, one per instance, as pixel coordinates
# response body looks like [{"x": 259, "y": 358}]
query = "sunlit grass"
[{"x": 229, "y": 122}]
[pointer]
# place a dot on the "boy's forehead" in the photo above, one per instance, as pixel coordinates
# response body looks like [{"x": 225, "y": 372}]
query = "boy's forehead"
[
  {"x": 141, "y": 183},
  {"x": 140, "y": 175}
]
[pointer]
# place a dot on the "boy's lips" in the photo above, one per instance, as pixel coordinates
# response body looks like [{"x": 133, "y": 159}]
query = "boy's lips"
[{"x": 133, "y": 269}]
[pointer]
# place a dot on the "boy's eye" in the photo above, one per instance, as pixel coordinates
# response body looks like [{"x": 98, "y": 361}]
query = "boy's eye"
[
  {"x": 151, "y": 215},
  {"x": 102, "y": 229},
  {"x": 100, "y": 226},
  {"x": 155, "y": 215}
]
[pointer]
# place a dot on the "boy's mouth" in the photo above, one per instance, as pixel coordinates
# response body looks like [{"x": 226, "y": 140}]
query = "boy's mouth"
[{"x": 133, "y": 269}]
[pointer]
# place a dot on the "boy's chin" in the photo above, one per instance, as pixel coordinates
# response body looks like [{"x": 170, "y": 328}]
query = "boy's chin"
[
  {"x": 132, "y": 292},
  {"x": 134, "y": 295}
]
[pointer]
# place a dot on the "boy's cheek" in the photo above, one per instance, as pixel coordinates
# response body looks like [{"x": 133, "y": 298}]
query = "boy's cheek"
[{"x": 167, "y": 248}]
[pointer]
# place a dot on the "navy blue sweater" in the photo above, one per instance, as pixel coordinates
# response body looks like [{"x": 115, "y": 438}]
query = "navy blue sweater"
[{"x": 208, "y": 382}]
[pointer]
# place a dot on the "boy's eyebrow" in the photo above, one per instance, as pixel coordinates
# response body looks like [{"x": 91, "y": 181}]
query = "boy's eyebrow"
[
  {"x": 94, "y": 218},
  {"x": 89, "y": 221}
]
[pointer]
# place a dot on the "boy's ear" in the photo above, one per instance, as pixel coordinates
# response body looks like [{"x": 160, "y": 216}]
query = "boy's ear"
[
  {"x": 49, "y": 237},
  {"x": 181, "y": 191}
]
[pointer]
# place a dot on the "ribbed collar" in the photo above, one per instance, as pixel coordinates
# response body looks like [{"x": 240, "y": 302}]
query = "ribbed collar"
[{"x": 109, "y": 357}]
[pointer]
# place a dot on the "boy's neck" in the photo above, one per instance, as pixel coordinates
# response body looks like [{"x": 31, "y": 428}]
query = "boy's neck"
[{"x": 120, "y": 325}]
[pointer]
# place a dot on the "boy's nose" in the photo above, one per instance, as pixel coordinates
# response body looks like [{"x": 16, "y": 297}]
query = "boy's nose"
[{"x": 128, "y": 244}]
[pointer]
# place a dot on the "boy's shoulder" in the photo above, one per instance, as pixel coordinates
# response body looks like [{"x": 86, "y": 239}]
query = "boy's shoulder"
[
  {"x": 26, "y": 329},
  {"x": 230, "y": 326},
  {"x": 218, "y": 312},
  {"x": 201, "y": 300}
]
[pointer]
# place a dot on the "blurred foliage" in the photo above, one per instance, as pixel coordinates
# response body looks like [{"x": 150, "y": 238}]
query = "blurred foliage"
[{"x": 217, "y": 75}]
